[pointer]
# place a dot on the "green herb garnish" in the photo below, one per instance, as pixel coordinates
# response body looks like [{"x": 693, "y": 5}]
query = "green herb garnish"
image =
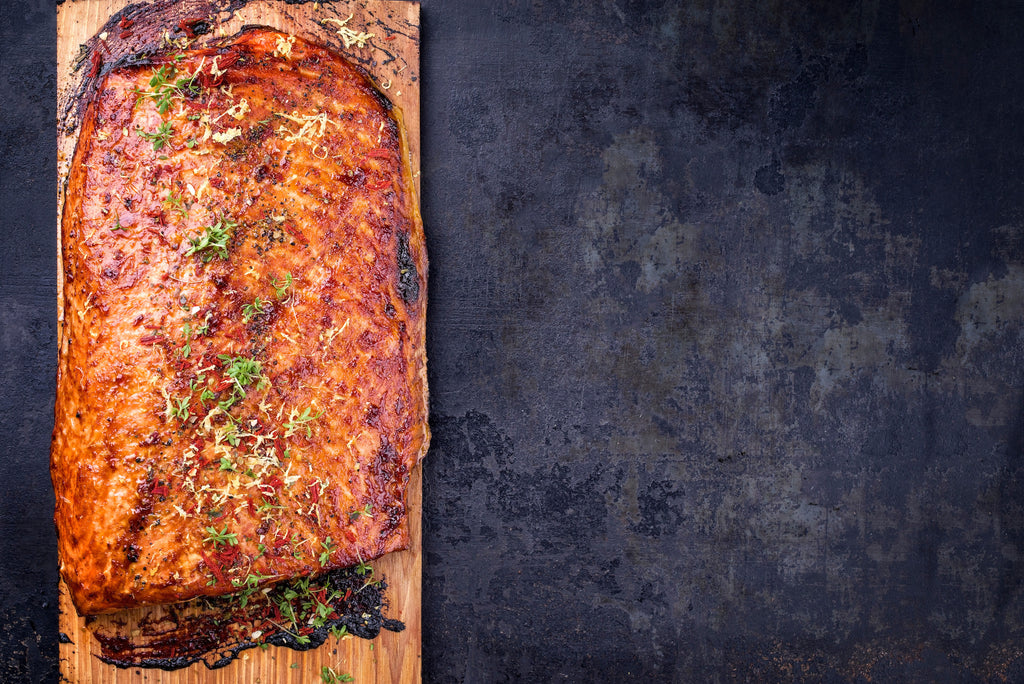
[
  {"x": 325, "y": 555},
  {"x": 243, "y": 372},
  {"x": 214, "y": 240},
  {"x": 329, "y": 676},
  {"x": 365, "y": 510},
  {"x": 281, "y": 289},
  {"x": 181, "y": 410},
  {"x": 160, "y": 137},
  {"x": 177, "y": 203},
  {"x": 222, "y": 538},
  {"x": 251, "y": 310},
  {"x": 299, "y": 421}
]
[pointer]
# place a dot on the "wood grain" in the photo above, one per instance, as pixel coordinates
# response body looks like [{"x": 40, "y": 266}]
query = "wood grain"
[{"x": 394, "y": 64}]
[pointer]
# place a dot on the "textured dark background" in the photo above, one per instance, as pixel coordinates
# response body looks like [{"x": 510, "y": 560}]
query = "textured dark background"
[{"x": 726, "y": 340}]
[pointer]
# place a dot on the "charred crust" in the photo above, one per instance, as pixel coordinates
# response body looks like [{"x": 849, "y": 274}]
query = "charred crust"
[{"x": 408, "y": 278}]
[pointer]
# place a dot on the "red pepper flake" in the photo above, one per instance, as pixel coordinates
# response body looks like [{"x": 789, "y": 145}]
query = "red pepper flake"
[
  {"x": 150, "y": 339},
  {"x": 228, "y": 60},
  {"x": 124, "y": 34},
  {"x": 379, "y": 185},
  {"x": 379, "y": 153},
  {"x": 126, "y": 22},
  {"x": 186, "y": 26},
  {"x": 391, "y": 37},
  {"x": 222, "y": 385},
  {"x": 161, "y": 490},
  {"x": 138, "y": 319},
  {"x": 97, "y": 61},
  {"x": 228, "y": 555},
  {"x": 214, "y": 569},
  {"x": 314, "y": 492},
  {"x": 157, "y": 232}
]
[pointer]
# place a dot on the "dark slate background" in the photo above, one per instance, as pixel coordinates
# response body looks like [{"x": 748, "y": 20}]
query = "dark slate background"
[{"x": 726, "y": 339}]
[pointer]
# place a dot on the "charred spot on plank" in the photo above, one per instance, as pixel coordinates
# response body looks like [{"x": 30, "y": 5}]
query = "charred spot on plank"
[
  {"x": 194, "y": 27},
  {"x": 139, "y": 59},
  {"x": 408, "y": 278},
  {"x": 219, "y": 631}
]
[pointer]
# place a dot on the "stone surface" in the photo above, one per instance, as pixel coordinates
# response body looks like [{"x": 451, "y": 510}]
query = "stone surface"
[{"x": 726, "y": 339}]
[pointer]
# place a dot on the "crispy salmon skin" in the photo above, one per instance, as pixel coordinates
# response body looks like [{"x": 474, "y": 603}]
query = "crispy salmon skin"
[{"x": 241, "y": 390}]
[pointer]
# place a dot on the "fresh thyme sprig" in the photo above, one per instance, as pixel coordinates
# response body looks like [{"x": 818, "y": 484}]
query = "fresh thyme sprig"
[
  {"x": 301, "y": 420},
  {"x": 160, "y": 137},
  {"x": 214, "y": 240},
  {"x": 249, "y": 311},
  {"x": 243, "y": 372},
  {"x": 281, "y": 289},
  {"x": 222, "y": 538}
]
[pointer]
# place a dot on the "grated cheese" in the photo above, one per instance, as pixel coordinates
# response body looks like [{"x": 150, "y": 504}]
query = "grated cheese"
[
  {"x": 215, "y": 70},
  {"x": 312, "y": 126},
  {"x": 237, "y": 112},
  {"x": 284, "y": 47},
  {"x": 348, "y": 36},
  {"x": 227, "y": 136}
]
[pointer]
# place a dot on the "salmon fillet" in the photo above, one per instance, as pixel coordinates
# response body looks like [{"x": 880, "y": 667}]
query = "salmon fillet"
[{"x": 241, "y": 389}]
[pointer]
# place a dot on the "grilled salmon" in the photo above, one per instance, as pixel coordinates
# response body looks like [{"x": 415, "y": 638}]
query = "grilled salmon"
[{"x": 241, "y": 388}]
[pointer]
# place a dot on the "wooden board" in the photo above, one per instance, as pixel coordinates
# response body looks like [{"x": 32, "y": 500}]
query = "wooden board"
[{"x": 392, "y": 58}]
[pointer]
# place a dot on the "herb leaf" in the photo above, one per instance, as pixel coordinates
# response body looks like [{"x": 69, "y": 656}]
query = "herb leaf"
[
  {"x": 249, "y": 311},
  {"x": 299, "y": 421},
  {"x": 281, "y": 289},
  {"x": 160, "y": 137},
  {"x": 214, "y": 241},
  {"x": 328, "y": 675},
  {"x": 222, "y": 538},
  {"x": 243, "y": 372}
]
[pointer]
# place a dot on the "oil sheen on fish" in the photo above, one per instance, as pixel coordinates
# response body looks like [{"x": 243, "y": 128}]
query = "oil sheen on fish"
[{"x": 241, "y": 386}]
